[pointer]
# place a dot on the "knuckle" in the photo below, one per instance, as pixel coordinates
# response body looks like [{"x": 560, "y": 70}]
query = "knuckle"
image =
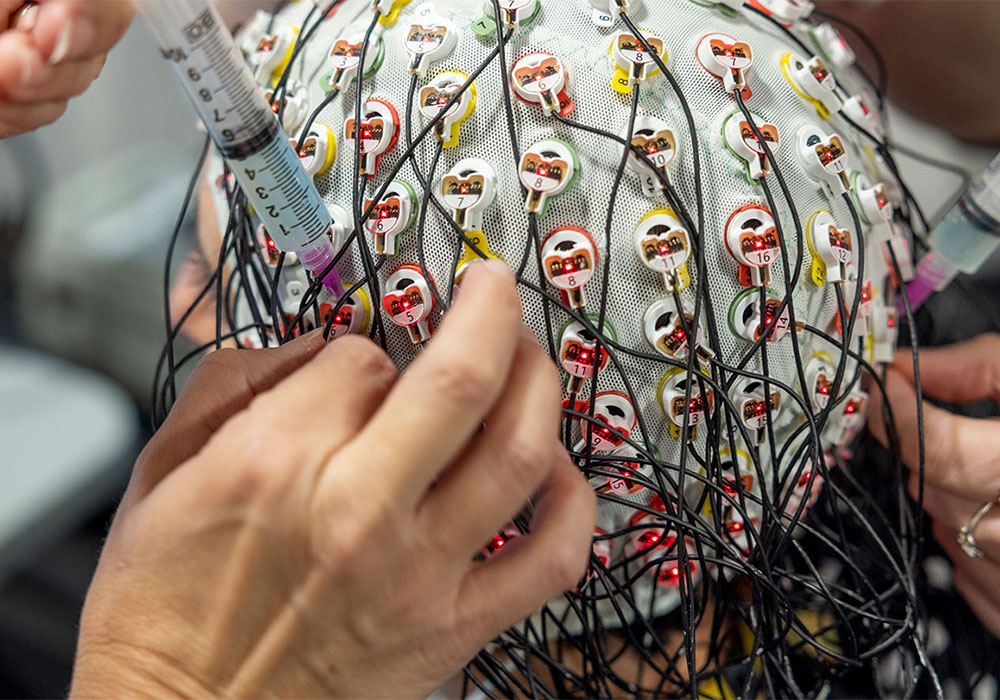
[
  {"x": 525, "y": 461},
  {"x": 566, "y": 565},
  {"x": 464, "y": 381},
  {"x": 365, "y": 356}
]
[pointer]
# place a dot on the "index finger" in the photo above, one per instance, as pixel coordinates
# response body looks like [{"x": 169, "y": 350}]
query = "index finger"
[
  {"x": 68, "y": 30},
  {"x": 960, "y": 453},
  {"x": 443, "y": 398}
]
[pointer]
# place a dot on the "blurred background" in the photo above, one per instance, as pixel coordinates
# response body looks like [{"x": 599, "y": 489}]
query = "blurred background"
[{"x": 86, "y": 209}]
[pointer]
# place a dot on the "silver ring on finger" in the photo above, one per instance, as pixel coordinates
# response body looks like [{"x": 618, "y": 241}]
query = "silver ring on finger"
[{"x": 966, "y": 536}]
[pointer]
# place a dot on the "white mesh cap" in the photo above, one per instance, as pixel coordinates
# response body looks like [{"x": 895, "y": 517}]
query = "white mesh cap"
[{"x": 567, "y": 30}]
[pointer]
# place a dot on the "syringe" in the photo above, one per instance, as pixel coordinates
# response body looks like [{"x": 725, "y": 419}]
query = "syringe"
[
  {"x": 964, "y": 240},
  {"x": 211, "y": 69}
]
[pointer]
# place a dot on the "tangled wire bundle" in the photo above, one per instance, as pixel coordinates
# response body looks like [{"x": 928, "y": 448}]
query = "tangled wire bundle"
[{"x": 708, "y": 230}]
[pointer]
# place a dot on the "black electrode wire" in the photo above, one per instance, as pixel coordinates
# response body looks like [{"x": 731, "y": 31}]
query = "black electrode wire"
[
  {"x": 596, "y": 656},
  {"x": 358, "y": 184},
  {"x": 606, "y": 270},
  {"x": 159, "y": 407},
  {"x": 421, "y": 222},
  {"x": 507, "y": 102},
  {"x": 347, "y": 295},
  {"x": 700, "y": 263},
  {"x": 317, "y": 284},
  {"x": 425, "y": 183},
  {"x": 307, "y": 127},
  {"x": 171, "y": 245},
  {"x": 918, "y": 392},
  {"x": 300, "y": 40},
  {"x": 300, "y": 43},
  {"x": 158, "y": 413}
]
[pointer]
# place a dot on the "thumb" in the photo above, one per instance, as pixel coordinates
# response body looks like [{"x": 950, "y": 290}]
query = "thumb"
[{"x": 221, "y": 386}]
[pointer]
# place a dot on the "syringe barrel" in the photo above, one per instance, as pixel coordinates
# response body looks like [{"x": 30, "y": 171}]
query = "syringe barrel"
[
  {"x": 970, "y": 233},
  {"x": 222, "y": 89}
]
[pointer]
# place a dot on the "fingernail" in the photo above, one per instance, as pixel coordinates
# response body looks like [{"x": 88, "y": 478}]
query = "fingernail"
[
  {"x": 24, "y": 19},
  {"x": 498, "y": 267},
  {"x": 75, "y": 36},
  {"x": 481, "y": 269}
]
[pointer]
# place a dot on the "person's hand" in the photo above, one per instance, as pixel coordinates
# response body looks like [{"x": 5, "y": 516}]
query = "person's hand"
[
  {"x": 304, "y": 523},
  {"x": 51, "y": 51},
  {"x": 962, "y": 458}
]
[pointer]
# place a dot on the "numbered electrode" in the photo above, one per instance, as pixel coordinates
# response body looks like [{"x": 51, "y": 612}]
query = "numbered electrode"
[
  {"x": 736, "y": 474},
  {"x": 813, "y": 82},
  {"x": 872, "y": 200},
  {"x": 269, "y": 249},
  {"x": 569, "y": 256},
  {"x": 831, "y": 247},
  {"x": 541, "y": 78},
  {"x": 669, "y": 333},
  {"x": 272, "y": 51},
  {"x": 353, "y": 316},
  {"x": 860, "y": 111},
  {"x": 513, "y": 14},
  {"x": 847, "y": 419},
  {"x": 434, "y": 99},
  {"x": 546, "y": 170},
  {"x": 787, "y": 11},
  {"x": 468, "y": 189},
  {"x": 378, "y": 132},
  {"x": 659, "y": 547},
  {"x": 752, "y": 239},
  {"x": 629, "y": 474},
  {"x": 824, "y": 158},
  {"x": 676, "y": 404},
  {"x": 728, "y": 60},
  {"x": 614, "y": 420},
  {"x": 885, "y": 331},
  {"x": 831, "y": 45},
  {"x": 430, "y": 40},
  {"x": 515, "y": 11},
  {"x": 344, "y": 58},
  {"x": 341, "y": 227},
  {"x": 755, "y": 408},
  {"x": 749, "y": 319},
  {"x": 318, "y": 150},
  {"x": 578, "y": 352},
  {"x": 743, "y": 141},
  {"x": 819, "y": 373},
  {"x": 636, "y": 58},
  {"x": 409, "y": 303},
  {"x": 664, "y": 246},
  {"x": 391, "y": 216},
  {"x": 292, "y": 106},
  {"x": 604, "y": 13},
  {"x": 655, "y": 139}
]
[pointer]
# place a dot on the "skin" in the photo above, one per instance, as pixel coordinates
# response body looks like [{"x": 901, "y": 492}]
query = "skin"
[
  {"x": 337, "y": 561},
  {"x": 961, "y": 470},
  {"x": 51, "y": 54}
]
